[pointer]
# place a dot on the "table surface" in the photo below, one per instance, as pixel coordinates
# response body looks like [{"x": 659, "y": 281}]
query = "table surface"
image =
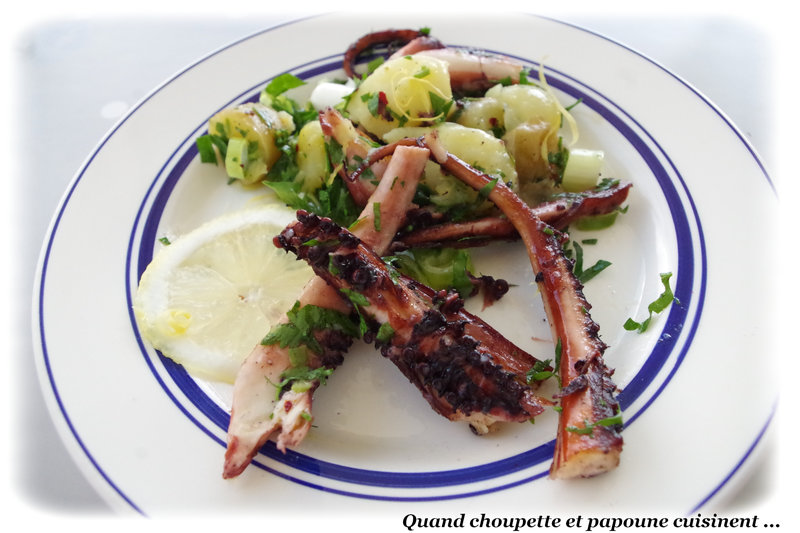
[{"x": 54, "y": 60}]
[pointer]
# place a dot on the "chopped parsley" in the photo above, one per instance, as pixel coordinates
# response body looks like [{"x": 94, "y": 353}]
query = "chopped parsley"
[
  {"x": 376, "y": 212},
  {"x": 575, "y": 103},
  {"x": 424, "y": 71},
  {"x": 486, "y": 190},
  {"x": 205, "y": 147},
  {"x": 523, "y": 77},
  {"x": 332, "y": 200},
  {"x": 373, "y": 101},
  {"x": 281, "y": 84},
  {"x": 539, "y": 372},
  {"x": 358, "y": 300},
  {"x": 301, "y": 378},
  {"x": 440, "y": 107},
  {"x": 274, "y": 97},
  {"x": 303, "y": 322},
  {"x": 658, "y": 305},
  {"x": 559, "y": 160},
  {"x": 559, "y": 349},
  {"x": 598, "y": 222},
  {"x": 585, "y": 275},
  {"x": 208, "y": 142},
  {"x": 372, "y": 65},
  {"x": 385, "y": 332},
  {"x": 588, "y": 427}
]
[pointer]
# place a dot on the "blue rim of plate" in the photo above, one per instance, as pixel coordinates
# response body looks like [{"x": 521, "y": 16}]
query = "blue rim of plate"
[
  {"x": 47, "y": 249},
  {"x": 688, "y": 286}
]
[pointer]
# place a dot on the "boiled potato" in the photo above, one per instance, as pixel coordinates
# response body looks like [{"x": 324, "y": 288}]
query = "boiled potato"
[
  {"x": 526, "y": 103},
  {"x": 474, "y": 146},
  {"x": 312, "y": 157},
  {"x": 482, "y": 113},
  {"x": 257, "y": 125},
  {"x": 398, "y": 93},
  {"x": 529, "y": 143}
]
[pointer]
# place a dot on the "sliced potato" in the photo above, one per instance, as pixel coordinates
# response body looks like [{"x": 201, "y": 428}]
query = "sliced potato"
[
  {"x": 398, "y": 93},
  {"x": 482, "y": 113},
  {"x": 312, "y": 157},
  {"x": 258, "y": 125},
  {"x": 474, "y": 146}
]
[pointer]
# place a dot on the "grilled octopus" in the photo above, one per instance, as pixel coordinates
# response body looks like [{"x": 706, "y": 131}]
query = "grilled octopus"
[
  {"x": 256, "y": 414},
  {"x": 465, "y": 370},
  {"x": 363, "y": 162},
  {"x": 589, "y": 440},
  {"x": 557, "y": 213},
  {"x": 471, "y": 71}
]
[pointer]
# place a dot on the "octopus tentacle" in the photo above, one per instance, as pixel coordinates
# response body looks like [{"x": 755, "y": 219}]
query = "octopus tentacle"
[
  {"x": 256, "y": 413},
  {"x": 356, "y": 146},
  {"x": 473, "y": 71},
  {"x": 588, "y": 440},
  {"x": 385, "y": 37},
  {"x": 558, "y": 213},
  {"x": 463, "y": 378}
]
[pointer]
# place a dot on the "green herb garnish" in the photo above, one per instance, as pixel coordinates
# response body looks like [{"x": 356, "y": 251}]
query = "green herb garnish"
[
  {"x": 658, "y": 305},
  {"x": 588, "y": 427},
  {"x": 301, "y": 378},
  {"x": 303, "y": 322},
  {"x": 376, "y": 214},
  {"x": 440, "y": 106},
  {"x": 385, "y": 332},
  {"x": 358, "y": 300},
  {"x": 539, "y": 372},
  {"x": 281, "y": 84},
  {"x": 585, "y": 275}
]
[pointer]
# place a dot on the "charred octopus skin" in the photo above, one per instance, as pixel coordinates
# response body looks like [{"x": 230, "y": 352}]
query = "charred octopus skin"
[
  {"x": 256, "y": 414},
  {"x": 390, "y": 38},
  {"x": 558, "y": 213},
  {"x": 427, "y": 335},
  {"x": 471, "y": 71},
  {"x": 589, "y": 440}
]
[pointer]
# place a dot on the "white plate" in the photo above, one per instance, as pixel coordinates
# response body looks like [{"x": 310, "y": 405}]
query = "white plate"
[{"x": 151, "y": 439}]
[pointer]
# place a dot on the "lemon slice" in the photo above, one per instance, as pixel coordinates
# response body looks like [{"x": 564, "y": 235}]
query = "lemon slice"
[{"x": 209, "y": 297}]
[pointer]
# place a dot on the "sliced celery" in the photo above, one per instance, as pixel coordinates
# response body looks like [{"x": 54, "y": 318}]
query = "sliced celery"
[
  {"x": 236, "y": 157},
  {"x": 583, "y": 170}
]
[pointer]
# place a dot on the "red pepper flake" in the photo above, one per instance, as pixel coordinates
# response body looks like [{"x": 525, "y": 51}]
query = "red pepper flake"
[
  {"x": 383, "y": 103},
  {"x": 287, "y": 405}
]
